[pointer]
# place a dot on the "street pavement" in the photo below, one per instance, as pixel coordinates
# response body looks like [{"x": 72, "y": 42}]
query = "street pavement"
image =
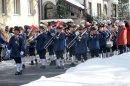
[{"x": 31, "y": 73}]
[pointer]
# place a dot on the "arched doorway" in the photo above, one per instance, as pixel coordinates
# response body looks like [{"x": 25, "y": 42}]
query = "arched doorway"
[{"x": 49, "y": 11}]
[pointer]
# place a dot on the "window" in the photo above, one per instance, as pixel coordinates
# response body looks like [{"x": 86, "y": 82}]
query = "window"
[
  {"x": 72, "y": 14},
  {"x": 90, "y": 7},
  {"x": 30, "y": 6},
  {"x": 48, "y": 10},
  {"x": 99, "y": 13},
  {"x": 16, "y": 6},
  {"x": 3, "y": 7},
  {"x": 113, "y": 10}
]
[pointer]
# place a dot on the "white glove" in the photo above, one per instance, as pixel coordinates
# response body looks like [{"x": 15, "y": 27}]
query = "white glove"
[
  {"x": 52, "y": 34},
  {"x": 77, "y": 32},
  {"x": 21, "y": 53},
  {"x": 8, "y": 51}
]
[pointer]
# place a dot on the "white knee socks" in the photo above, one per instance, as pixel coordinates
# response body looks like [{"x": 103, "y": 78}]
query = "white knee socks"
[
  {"x": 79, "y": 62},
  {"x": 73, "y": 59},
  {"x": 23, "y": 60},
  {"x": 62, "y": 60},
  {"x": 58, "y": 62},
  {"x": 19, "y": 67},
  {"x": 31, "y": 58},
  {"x": 43, "y": 62},
  {"x": 104, "y": 55}
]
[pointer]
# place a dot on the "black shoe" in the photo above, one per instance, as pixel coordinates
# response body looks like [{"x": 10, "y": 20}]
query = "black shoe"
[
  {"x": 23, "y": 66},
  {"x": 21, "y": 72},
  {"x": 36, "y": 61},
  {"x": 58, "y": 67},
  {"x": 51, "y": 63},
  {"x": 43, "y": 67},
  {"x": 18, "y": 73},
  {"x": 54, "y": 62},
  {"x": 82, "y": 60},
  {"x": 32, "y": 63},
  {"x": 72, "y": 64},
  {"x": 62, "y": 67}
]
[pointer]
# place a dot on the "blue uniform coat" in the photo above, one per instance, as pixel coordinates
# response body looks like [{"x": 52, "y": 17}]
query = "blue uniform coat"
[
  {"x": 49, "y": 36},
  {"x": 16, "y": 46},
  {"x": 59, "y": 44},
  {"x": 81, "y": 46},
  {"x": 104, "y": 37},
  {"x": 94, "y": 42},
  {"x": 24, "y": 38},
  {"x": 41, "y": 41},
  {"x": 70, "y": 38}
]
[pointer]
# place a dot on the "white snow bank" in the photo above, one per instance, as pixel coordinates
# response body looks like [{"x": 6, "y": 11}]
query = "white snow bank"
[{"x": 114, "y": 71}]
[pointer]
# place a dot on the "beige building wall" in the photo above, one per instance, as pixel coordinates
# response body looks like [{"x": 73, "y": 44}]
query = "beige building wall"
[{"x": 24, "y": 18}]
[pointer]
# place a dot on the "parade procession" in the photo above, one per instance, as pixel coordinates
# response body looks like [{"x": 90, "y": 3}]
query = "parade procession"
[{"x": 63, "y": 42}]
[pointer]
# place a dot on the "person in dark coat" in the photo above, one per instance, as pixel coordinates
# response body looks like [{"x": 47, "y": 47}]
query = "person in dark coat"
[
  {"x": 113, "y": 39},
  {"x": 3, "y": 42},
  {"x": 94, "y": 42},
  {"x": 104, "y": 35},
  {"x": 81, "y": 44},
  {"x": 16, "y": 49},
  {"x": 59, "y": 42},
  {"x": 31, "y": 46},
  {"x": 108, "y": 30},
  {"x": 51, "y": 32},
  {"x": 70, "y": 36},
  {"x": 41, "y": 40}
]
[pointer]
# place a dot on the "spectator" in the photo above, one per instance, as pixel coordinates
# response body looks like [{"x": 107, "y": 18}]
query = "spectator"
[
  {"x": 128, "y": 35},
  {"x": 11, "y": 31},
  {"x": 122, "y": 38},
  {"x": 7, "y": 33},
  {"x": 3, "y": 42}
]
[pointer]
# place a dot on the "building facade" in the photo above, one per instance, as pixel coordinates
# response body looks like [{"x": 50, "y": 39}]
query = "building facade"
[
  {"x": 27, "y": 12},
  {"x": 99, "y": 7},
  {"x": 18, "y": 12},
  {"x": 96, "y": 8}
]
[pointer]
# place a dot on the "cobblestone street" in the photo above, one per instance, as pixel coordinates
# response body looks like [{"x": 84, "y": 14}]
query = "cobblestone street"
[{"x": 31, "y": 73}]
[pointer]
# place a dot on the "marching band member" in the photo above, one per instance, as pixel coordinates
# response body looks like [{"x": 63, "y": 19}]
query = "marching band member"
[
  {"x": 113, "y": 39},
  {"x": 24, "y": 38},
  {"x": 31, "y": 45},
  {"x": 40, "y": 43},
  {"x": 122, "y": 37},
  {"x": 81, "y": 44},
  {"x": 51, "y": 32},
  {"x": 94, "y": 42},
  {"x": 59, "y": 46},
  {"x": 103, "y": 39},
  {"x": 16, "y": 49},
  {"x": 108, "y": 30},
  {"x": 70, "y": 36}
]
